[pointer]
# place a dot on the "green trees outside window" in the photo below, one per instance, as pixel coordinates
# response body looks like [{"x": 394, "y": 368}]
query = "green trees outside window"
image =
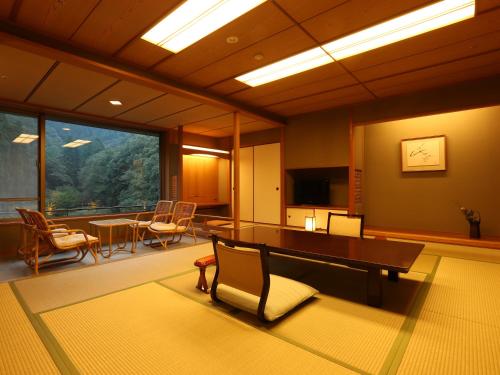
[{"x": 95, "y": 170}]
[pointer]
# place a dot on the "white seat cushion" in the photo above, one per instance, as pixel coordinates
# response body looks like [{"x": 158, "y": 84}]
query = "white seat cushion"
[
  {"x": 59, "y": 232},
  {"x": 72, "y": 240},
  {"x": 143, "y": 224},
  {"x": 284, "y": 295},
  {"x": 167, "y": 227}
]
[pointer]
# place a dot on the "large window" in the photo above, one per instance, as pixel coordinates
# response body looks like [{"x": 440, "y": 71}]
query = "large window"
[
  {"x": 96, "y": 171},
  {"x": 18, "y": 163}
]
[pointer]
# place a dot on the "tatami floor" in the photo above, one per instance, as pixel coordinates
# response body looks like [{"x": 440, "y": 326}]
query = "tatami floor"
[{"x": 143, "y": 315}]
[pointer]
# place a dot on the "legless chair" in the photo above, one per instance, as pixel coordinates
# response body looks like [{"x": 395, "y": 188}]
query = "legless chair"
[
  {"x": 242, "y": 280},
  {"x": 345, "y": 225},
  {"x": 48, "y": 243},
  {"x": 162, "y": 212},
  {"x": 181, "y": 221}
]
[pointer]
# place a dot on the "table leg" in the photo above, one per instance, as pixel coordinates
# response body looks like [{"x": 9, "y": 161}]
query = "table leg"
[
  {"x": 393, "y": 276},
  {"x": 374, "y": 287},
  {"x": 110, "y": 241}
]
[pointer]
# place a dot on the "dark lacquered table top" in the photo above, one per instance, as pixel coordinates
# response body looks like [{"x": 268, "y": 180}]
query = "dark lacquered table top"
[{"x": 390, "y": 255}]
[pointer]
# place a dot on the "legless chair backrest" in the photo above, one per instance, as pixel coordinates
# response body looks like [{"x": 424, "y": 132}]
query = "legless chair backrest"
[
  {"x": 345, "y": 225},
  {"x": 244, "y": 267}
]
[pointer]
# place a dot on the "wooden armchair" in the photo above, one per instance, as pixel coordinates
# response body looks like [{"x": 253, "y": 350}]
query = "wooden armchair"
[
  {"x": 162, "y": 211},
  {"x": 49, "y": 241},
  {"x": 345, "y": 225},
  {"x": 170, "y": 228},
  {"x": 242, "y": 280}
]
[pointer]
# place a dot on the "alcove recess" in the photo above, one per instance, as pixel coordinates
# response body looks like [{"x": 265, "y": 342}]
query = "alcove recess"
[{"x": 338, "y": 178}]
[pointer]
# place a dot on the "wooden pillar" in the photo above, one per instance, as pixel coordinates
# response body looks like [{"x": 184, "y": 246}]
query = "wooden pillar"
[
  {"x": 236, "y": 165},
  {"x": 180, "y": 142},
  {"x": 164, "y": 166},
  {"x": 282, "y": 177},
  {"x": 41, "y": 162},
  {"x": 352, "y": 168}
]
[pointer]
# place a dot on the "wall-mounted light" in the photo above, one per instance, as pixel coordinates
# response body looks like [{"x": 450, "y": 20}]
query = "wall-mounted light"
[
  {"x": 205, "y": 156},
  {"x": 197, "y": 148},
  {"x": 310, "y": 223},
  {"x": 25, "y": 138},
  {"x": 76, "y": 143}
]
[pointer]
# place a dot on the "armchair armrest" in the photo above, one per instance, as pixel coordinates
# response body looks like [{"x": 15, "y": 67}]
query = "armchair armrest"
[
  {"x": 58, "y": 226},
  {"x": 141, "y": 214}
]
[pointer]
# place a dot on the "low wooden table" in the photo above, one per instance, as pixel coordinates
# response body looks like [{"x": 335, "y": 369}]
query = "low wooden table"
[
  {"x": 131, "y": 225},
  {"x": 369, "y": 254}
]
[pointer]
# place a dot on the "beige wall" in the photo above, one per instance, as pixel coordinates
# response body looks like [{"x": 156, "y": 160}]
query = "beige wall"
[{"x": 430, "y": 200}]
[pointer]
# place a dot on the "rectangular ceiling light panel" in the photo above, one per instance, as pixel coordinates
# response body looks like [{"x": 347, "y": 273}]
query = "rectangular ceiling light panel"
[
  {"x": 76, "y": 143},
  {"x": 418, "y": 22},
  {"x": 194, "y": 20},
  {"x": 307, "y": 60},
  {"x": 411, "y": 24},
  {"x": 25, "y": 138}
]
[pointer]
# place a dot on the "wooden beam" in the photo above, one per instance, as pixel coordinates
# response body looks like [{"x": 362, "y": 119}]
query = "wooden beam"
[
  {"x": 236, "y": 167},
  {"x": 17, "y": 37}
]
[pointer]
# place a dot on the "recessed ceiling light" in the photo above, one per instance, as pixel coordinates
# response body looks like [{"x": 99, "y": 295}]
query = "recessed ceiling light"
[
  {"x": 418, "y": 22},
  {"x": 205, "y": 149},
  {"x": 292, "y": 65},
  {"x": 232, "y": 39},
  {"x": 25, "y": 138},
  {"x": 76, "y": 143},
  {"x": 66, "y": 129},
  {"x": 258, "y": 57},
  {"x": 195, "y": 19},
  {"x": 115, "y": 102},
  {"x": 3, "y": 76}
]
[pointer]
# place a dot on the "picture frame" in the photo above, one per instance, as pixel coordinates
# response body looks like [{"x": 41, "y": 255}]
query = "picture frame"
[{"x": 423, "y": 154}]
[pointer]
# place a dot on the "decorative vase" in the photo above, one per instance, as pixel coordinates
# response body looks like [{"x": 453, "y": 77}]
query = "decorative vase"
[{"x": 475, "y": 231}]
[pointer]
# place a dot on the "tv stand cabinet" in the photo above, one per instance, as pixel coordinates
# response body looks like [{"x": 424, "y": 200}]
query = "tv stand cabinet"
[{"x": 295, "y": 215}]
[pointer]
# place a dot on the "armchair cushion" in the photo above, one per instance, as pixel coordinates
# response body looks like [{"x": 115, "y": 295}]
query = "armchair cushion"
[
  {"x": 284, "y": 295},
  {"x": 166, "y": 227},
  {"x": 73, "y": 240},
  {"x": 143, "y": 224}
]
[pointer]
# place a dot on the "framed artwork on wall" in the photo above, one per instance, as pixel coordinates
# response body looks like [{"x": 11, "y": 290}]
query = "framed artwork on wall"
[{"x": 423, "y": 154}]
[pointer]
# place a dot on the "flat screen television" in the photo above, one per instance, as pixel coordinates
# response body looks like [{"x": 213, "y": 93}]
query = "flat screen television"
[{"x": 312, "y": 191}]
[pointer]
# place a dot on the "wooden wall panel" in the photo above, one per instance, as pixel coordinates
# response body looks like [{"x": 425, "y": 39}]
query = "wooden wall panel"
[{"x": 68, "y": 86}]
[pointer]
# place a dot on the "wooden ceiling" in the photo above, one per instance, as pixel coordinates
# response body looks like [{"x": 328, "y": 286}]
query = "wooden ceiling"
[{"x": 111, "y": 30}]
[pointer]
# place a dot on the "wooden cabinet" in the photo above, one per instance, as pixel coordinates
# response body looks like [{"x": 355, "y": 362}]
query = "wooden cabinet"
[
  {"x": 322, "y": 216},
  {"x": 200, "y": 179},
  {"x": 295, "y": 216}
]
